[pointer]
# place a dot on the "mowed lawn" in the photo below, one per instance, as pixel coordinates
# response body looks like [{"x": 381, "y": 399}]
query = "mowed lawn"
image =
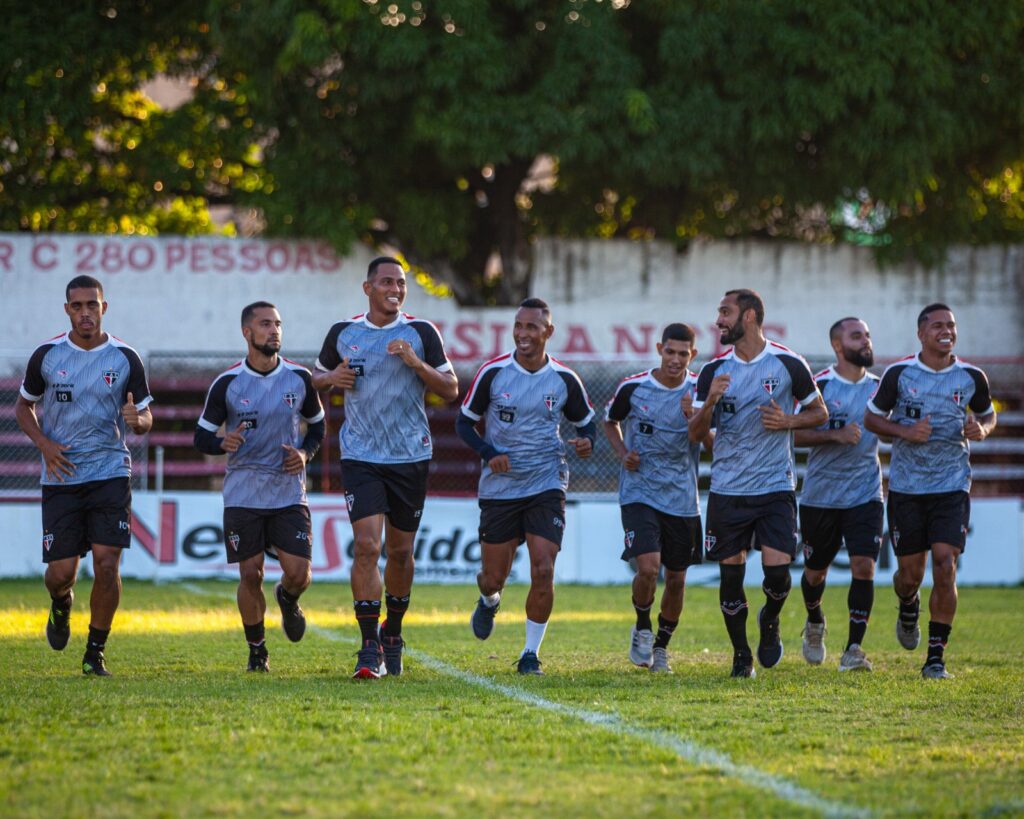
[{"x": 183, "y": 730}]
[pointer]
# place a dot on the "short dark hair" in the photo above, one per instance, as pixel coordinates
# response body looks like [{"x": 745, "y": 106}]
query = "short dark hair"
[
  {"x": 678, "y": 332},
  {"x": 249, "y": 309},
  {"x": 749, "y": 300},
  {"x": 835, "y": 329},
  {"x": 922, "y": 317},
  {"x": 372, "y": 269},
  {"x": 534, "y": 303},
  {"x": 87, "y": 282}
]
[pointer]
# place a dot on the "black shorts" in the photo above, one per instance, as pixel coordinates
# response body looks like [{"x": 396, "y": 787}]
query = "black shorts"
[
  {"x": 78, "y": 515},
  {"x": 395, "y": 490},
  {"x": 918, "y": 521},
  {"x": 542, "y": 514},
  {"x": 249, "y": 532},
  {"x": 678, "y": 539},
  {"x": 825, "y": 530},
  {"x": 739, "y": 523}
]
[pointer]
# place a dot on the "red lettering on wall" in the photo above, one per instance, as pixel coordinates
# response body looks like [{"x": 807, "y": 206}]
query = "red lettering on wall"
[
  {"x": 38, "y": 260},
  {"x": 642, "y": 344},
  {"x": 579, "y": 341},
  {"x": 162, "y": 549},
  {"x": 467, "y": 333},
  {"x": 6, "y": 251}
]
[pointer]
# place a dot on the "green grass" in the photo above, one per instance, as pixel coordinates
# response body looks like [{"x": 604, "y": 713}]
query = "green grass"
[{"x": 182, "y": 730}]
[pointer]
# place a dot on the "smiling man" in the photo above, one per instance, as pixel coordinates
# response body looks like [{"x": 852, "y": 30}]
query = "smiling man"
[
  {"x": 384, "y": 361},
  {"x": 931, "y": 404}
]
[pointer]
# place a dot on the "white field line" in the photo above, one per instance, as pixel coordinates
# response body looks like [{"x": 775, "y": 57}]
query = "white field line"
[{"x": 683, "y": 748}]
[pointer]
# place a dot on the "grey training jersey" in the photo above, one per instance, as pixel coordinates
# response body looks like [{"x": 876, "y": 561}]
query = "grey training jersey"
[
  {"x": 749, "y": 459},
  {"x": 385, "y": 421},
  {"x": 840, "y": 476},
  {"x": 654, "y": 426},
  {"x": 270, "y": 406},
  {"x": 522, "y": 412},
  {"x": 82, "y": 393},
  {"x": 909, "y": 391}
]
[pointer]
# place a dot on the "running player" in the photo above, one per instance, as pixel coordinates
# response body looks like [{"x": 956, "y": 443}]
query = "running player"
[
  {"x": 747, "y": 394},
  {"x": 841, "y": 498},
  {"x": 931, "y": 404},
  {"x": 260, "y": 402},
  {"x": 384, "y": 360},
  {"x": 522, "y": 395},
  {"x": 658, "y": 489},
  {"x": 93, "y": 386}
]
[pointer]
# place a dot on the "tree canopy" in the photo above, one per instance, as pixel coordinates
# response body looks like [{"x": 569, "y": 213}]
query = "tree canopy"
[{"x": 456, "y": 131}]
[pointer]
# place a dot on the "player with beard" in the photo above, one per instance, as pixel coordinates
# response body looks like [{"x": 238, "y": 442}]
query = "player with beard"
[
  {"x": 931, "y": 404},
  {"x": 384, "y": 361},
  {"x": 841, "y": 498},
  {"x": 746, "y": 394},
  {"x": 260, "y": 402},
  {"x": 93, "y": 387}
]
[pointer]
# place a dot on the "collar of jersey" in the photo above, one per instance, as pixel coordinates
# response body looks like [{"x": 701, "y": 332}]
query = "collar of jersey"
[
  {"x": 649, "y": 376},
  {"x": 73, "y": 346},
  {"x": 522, "y": 369},
  {"x": 838, "y": 377},
  {"x": 258, "y": 374},
  {"x": 756, "y": 358},
  {"x": 926, "y": 368},
  {"x": 395, "y": 323}
]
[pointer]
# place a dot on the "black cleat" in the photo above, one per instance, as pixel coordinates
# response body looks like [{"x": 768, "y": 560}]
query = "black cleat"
[
  {"x": 529, "y": 663},
  {"x": 743, "y": 665},
  {"x": 93, "y": 663},
  {"x": 769, "y": 648},
  {"x": 370, "y": 662},
  {"x": 293, "y": 619},
  {"x": 58, "y": 627},
  {"x": 482, "y": 620},
  {"x": 259, "y": 659},
  {"x": 392, "y": 648}
]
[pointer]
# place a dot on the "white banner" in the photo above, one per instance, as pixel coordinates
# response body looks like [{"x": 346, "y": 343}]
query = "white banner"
[{"x": 181, "y": 535}]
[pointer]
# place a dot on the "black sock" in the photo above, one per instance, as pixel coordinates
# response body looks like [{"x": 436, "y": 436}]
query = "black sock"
[
  {"x": 397, "y": 607},
  {"x": 368, "y": 617},
  {"x": 733, "y": 602},
  {"x": 98, "y": 639},
  {"x": 776, "y": 586},
  {"x": 938, "y": 636},
  {"x": 910, "y": 608},
  {"x": 288, "y": 599},
  {"x": 859, "y": 600},
  {"x": 665, "y": 630},
  {"x": 643, "y": 616},
  {"x": 254, "y": 634},
  {"x": 812, "y": 599},
  {"x": 62, "y": 603}
]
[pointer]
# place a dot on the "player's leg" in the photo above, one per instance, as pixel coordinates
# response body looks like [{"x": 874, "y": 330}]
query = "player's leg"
[
  {"x": 668, "y": 619},
  {"x": 822, "y": 537},
  {"x": 682, "y": 547},
  {"x": 908, "y": 533},
  {"x": 540, "y": 600},
  {"x": 398, "y": 575},
  {"x": 60, "y": 580},
  {"x": 64, "y": 542},
  {"x": 949, "y": 519},
  {"x": 252, "y": 606},
  {"x": 495, "y": 567},
  {"x": 290, "y": 531},
  {"x": 642, "y": 545},
  {"x": 776, "y": 531},
  {"x": 862, "y": 531},
  {"x": 726, "y": 541}
]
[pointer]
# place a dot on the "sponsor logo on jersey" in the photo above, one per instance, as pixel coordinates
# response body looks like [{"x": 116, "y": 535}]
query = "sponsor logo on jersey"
[
  {"x": 770, "y": 385},
  {"x": 354, "y": 348},
  {"x": 47, "y": 541},
  {"x": 110, "y": 377},
  {"x": 62, "y": 373},
  {"x": 234, "y": 540},
  {"x": 291, "y": 398},
  {"x": 958, "y": 396},
  {"x": 506, "y": 395},
  {"x": 425, "y": 440},
  {"x": 244, "y": 402},
  {"x": 550, "y": 401}
]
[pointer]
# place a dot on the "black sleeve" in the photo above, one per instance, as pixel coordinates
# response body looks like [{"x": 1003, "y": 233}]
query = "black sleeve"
[
  {"x": 588, "y": 430},
  {"x": 479, "y": 396},
  {"x": 619, "y": 407},
  {"x": 329, "y": 358},
  {"x": 981, "y": 401},
  {"x": 34, "y": 385},
  {"x": 465, "y": 427},
  {"x": 888, "y": 392},
  {"x": 801, "y": 376},
  {"x": 707, "y": 375},
  {"x": 312, "y": 410},
  {"x": 207, "y": 442},
  {"x": 215, "y": 411},
  {"x": 137, "y": 384},
  {"x": 577, "y": 405},
  {"x": 433, "y": 347},
  {"x": 314, "y": 437}
]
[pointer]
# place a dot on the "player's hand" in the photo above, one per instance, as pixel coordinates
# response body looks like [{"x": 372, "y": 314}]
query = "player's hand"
[
  {"x": 403, "y": 349},
  {"x": 583, "y": 446},
  {"x": 772, "y": 416},
  {"x": 57, "y": 465},
  {"x": 920, "y": 432},
  {"x": 974, "y": 431},
  {"x": 631, "y": 461},
  {"x": 499, "y": 464},
  {"x": 343, "y": 377},
  {"x": 233, "y": 441},
  {"x": 849, "y": 434},
  {"x": 686, "y": 405},
  {"x": 294, "y": 460},
  {"x": 130, "y": 412},
  {"x": 719, "y": 387}
]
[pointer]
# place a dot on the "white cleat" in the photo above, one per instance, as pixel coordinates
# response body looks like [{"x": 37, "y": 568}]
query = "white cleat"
[
  {"x": 814, "y": 642},
  {"x": 854, "y": 659},
  {"x": 659, "y": 663},
  {"x": 641, "y": 647}
]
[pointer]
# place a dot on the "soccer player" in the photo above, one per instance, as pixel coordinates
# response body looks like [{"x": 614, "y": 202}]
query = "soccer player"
[
  {"x": 747, "y": 394},
  {"x": 658, "y": 488},
  {"x": 260, "y": 402},
  {"x": 93, "y": 386},
  {"x": 931, "y": 404},
  {"x": 841, "y": 499},
  {"x": 522, "y": 395},
  {"x": 384, "y": 361}
]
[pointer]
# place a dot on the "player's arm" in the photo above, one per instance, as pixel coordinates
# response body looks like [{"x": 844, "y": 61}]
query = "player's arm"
[
  {"x": 56, "y": 462},
  {"x": 445, "y": 385},
  {"x": 710, "y": 389},
  {"x": 135, "y": 410},
  {"x": 982, "y": 417},
  {"x": 616, "y": 412},
  {"x": 816, "y": 437},
  {"x": 215, "y": 413},
  {"x": 812, "y": 414},
  {"x": 473, "y": 408},
  {"x": 434, "y": 369},
  {"x": 331, "y": 370},
  {"x": 877, "y": 416},
  {"x": 579, "y": 412}
]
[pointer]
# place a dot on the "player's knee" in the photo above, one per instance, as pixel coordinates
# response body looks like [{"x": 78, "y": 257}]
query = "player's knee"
[
  {"x": 299, "y": 578},
  {"x": 777, "y": 581},
  {"x": 366, "y": 549},
  {"x": 400, "y": 555},
  {"x": 542, "y": 573},
  {"x": 647, "y": 572},
  {"x": 250, "y": 574},
  {"x": 675, "y": 582},
  {"x": 105, "y": 566},
  {"x": 944, "y": 570},
  {"x": 815, "y": 577}
]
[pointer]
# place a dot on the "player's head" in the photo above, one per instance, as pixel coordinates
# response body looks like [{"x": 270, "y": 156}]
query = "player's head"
[
  {"x": 385, "y": 286},
  {"x": 936, "y": 329},
  {"x": 85, "y": 306},
  {"x": 851, "y": 340},
  {"x": 261, "y": 327},
  {"x": 532, "y": 327},
  {"x": 677, "y": 349},
  {"x": 739, "y": 312}
]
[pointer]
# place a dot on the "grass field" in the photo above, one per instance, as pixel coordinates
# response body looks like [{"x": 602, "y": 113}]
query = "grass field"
[{"x": 182, "y": 730}]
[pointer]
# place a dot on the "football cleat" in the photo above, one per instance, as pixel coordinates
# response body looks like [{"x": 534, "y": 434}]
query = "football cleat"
[
  {"x": 936, "y": 671},
  {"x": 392, "y": 649},
  {"x": 659, "y": 661},
  {"x": 293, "y": 619},
  {"x": 743, "y": 665},
  {"x": 369, "y": 662},
  {"x": 908, "y": 632},
  {"x": 93, "y": 663},
  {"x": 641, "y": 647},
  {"x": 259, "y": 659},
  {"x": 529, "y": 663},
  {"x": 58, "y": 626},
  {"x": 769, "y": 648},
  {"x": 482, "y": 620},
  {"x": 854, "y": 659},
  {"x": 814, "y": 642}
]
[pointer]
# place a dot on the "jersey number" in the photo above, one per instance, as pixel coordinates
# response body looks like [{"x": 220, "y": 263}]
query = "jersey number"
[{"x": 63, "y": 396}]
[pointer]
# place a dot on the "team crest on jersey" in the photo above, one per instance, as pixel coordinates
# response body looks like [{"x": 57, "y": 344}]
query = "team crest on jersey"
[
  {"x": 709, "y": 542},
  {"x": 770, "y": 385},
  {"x": 291, "y": 398},
  {"x": 234, "y": 540},
  {"x": 47, "y": 541},
  {"x": 958, "y": 396},
  {"x": 110, "y": 377},
  {"x": 550, "y": 401}
]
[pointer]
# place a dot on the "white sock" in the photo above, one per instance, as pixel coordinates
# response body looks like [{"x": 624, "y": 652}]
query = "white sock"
[
  {"x": 491, "y": 600},
  {"x": 534, "y": 636}
]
